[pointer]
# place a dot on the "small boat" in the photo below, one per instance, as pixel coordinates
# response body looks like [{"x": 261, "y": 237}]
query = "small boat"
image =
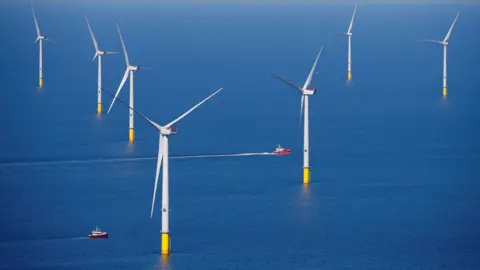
[
  {"x": 281, "y": 151},
  {"x": 97, "y": 233}
]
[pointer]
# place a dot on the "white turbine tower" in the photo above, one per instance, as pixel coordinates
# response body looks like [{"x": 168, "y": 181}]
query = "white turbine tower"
[
  {"x": 98, "y": 53},
  {"x": 129, "y": 71},
  {"x": 305, "y": 91},
  {"x": 164, "y": 132},
  {"x": 40, "y": 39},
  {"x": 445, "y": 44},
  {"x": 349, "y": 34}
]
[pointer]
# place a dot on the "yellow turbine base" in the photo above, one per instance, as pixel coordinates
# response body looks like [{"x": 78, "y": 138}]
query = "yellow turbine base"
[
  {"x": 306, "y": 175},
  {"x": 444, "y": 91},
  {"x": 40, "y": 83},
  {"x": 165, "y": 243},
  {"x": 349, "y": 75},
  {"x": 99, "y": 108},
  {"x": 131, "y": 135}
]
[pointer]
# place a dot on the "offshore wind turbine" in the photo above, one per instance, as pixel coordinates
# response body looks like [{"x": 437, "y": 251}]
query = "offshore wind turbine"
[
  {"x": 98, "y": 53},
  {"x": 164, "y": 133},
  {"x": 305, "y": 92},
  {"x": 40, "y": 39},
  {"x": 128, "y": 72},
  {"x": 349, "y": 34},
  {"x": 445, "y": 44}
]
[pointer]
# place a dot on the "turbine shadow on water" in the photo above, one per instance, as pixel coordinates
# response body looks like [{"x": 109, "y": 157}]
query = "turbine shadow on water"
[
  {"x": 305, "y": 193},
  {"x": 164, "y": 263}
]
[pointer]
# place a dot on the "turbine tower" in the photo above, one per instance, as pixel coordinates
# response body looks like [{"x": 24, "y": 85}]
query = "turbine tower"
[
  {"x": 40, "y": 39},
  {"x": 349, "y": 34},
  {"x": 305, "y": 92},
  {"x": 445, "y": 44},
  {"x": 128, "y": 72},
  {"x": 98, "y": 53},
  {"x": 164, "y": 133}
]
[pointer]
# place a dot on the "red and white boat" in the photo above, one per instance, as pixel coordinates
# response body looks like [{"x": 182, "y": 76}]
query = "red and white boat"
[
  {"x": 97, "y": 233},
  {"x": 281, "y": 151}
]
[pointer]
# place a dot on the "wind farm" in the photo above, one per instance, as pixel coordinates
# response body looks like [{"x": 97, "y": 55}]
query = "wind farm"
[{"x": 379, "y": 172}]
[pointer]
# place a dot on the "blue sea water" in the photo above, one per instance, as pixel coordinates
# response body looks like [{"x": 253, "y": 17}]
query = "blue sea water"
[{"x": 395, "y": 168}]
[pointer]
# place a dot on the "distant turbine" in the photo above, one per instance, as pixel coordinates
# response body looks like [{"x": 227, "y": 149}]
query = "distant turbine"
[
  {"x": 166, "y": 131},
  {"x": 349, "y": 34},
  {"x": 98, "y": 53},
  {"x": 305, "y": 92},
  {"x": 40, "y": 39},
  {"x": 130, "y": 69},
  {"x": 445, "y": 44}
]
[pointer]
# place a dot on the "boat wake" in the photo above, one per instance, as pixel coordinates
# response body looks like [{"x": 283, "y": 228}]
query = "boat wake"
[
  {"x": 42, "y": 240},
  {"x": 132, "y": 159},
  {"x": 223, "y": 155}
]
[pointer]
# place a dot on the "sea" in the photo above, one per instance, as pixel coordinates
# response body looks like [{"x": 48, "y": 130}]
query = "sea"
[{"x": 395, "y": 167}]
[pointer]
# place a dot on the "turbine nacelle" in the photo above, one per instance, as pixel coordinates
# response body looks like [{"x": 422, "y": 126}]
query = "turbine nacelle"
[
  {"x": 100, "y": 52},
  {"x": 40, "y": 38},
  {"x": 168, "y": 131},
  {"x": 305, "y": 90},
  {"x": 133, "y": 68},
  {"x": 309, "y": 91},
  {"x": 349, "y": 34}
]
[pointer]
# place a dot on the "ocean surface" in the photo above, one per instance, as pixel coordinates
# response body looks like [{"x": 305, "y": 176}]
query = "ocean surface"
[{"x": 395, "y": 168}]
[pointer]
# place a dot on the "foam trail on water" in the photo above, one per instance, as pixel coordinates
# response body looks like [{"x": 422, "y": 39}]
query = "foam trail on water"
[
  {"x": 224, "y": 155},
  {"x": 43, "y": 240},
  {"x": 133, "y": 159},
  {"x": 66, "y": 162}
]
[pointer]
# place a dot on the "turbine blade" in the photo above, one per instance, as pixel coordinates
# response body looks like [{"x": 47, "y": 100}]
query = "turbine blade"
[
  {"x": 124, "y": 79},
  {"x": 431, "y": 41},
  {"x": 353, "y": 18},
  {"x": 94, "y": 57},
  {"x": 157, "y": 126},
  {"x": 36, "y": 23},
  {"x": 95, "y": 44},
  {"x": 302, "y": 101},
  {"x": 159, "y": 165},
  {"x": 193, "y": 108},
  {"x": 309, "y": 79},
  {"x": 451, "y": 28},
  {"x": 292, "y": 84},
  {"x": 50, "y": 40},
  {"x": 123, "y": 46},
  {"x": 111, "y": 52}
]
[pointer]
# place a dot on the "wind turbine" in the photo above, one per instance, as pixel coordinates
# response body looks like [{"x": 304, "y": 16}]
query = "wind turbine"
[
  {"x": 40, "y": 39},
  {"x": 164, "y": 133},
  {"x": 305, "y": 91},
  {"x": 129, "y": 71},
  {"x": 445, "y": 44},
  {"x": 98, "y": 53},
  {"x": 349, "y": 34}
]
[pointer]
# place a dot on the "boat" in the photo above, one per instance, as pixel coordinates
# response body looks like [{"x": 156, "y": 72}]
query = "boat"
[
  {"x": 281, "y": 151},
  {"x": 97, "y": 233}
]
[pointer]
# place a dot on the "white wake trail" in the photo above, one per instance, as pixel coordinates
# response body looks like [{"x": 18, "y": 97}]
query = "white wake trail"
[
  {"x": 133, "y": 159},
  {"x": 224, "y": 155}
]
